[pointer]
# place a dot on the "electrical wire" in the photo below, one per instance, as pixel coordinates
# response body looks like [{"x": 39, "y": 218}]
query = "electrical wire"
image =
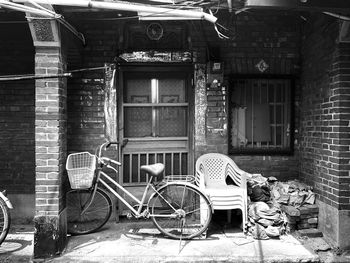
[
  {"x": 220, "y": 35},
  {"x": 42, "y": 11},
  {"x": 39, "y": 18},
  {"x": 23, "y": 8},
  {"x": 37, "y": 76},
  {"x": 43, "y": 8},
  {"x": 170, "y": 6},
  {"x": 13, "y": 22},
  {"x": 111, "y": 18},
  {"x": 4, "y": 78},
  {"x": 341, "y": 17}
]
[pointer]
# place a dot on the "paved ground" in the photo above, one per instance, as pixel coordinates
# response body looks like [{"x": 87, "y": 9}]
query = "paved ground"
[
  {"x": 18, "y": 245},
  {"x": 130, "y": 243},
  {"x": 140, "y": 242}
]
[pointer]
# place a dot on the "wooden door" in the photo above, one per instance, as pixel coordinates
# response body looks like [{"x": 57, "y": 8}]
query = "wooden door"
[{"x": 155, "y": 117}]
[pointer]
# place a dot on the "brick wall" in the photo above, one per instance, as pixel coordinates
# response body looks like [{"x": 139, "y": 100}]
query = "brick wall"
[
  {"x": 17, "y": 136},
  {"x": 17, "y": 99},
  {"x": 271, "y": 36},
  {"x": 85, "y": 90},
  {"x": 85, "y": 112},
  {"x": 325, "y": 113}
]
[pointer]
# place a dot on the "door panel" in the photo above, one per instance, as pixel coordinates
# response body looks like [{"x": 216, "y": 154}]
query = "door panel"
[{"x": 156, "y": 117}]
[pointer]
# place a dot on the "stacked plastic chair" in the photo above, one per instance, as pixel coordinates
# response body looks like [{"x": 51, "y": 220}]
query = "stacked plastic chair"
[{"x": 212, "y": 171}]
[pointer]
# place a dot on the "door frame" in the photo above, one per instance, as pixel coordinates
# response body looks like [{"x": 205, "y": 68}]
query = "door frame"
[{"x": 188, "y": 68}]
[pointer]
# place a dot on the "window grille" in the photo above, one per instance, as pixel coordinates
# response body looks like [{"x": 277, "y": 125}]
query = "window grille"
[{"x": 260, "y": 115}]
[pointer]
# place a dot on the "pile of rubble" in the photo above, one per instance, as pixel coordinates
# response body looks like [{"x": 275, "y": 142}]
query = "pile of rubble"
[{"x": 279, "y": 207}]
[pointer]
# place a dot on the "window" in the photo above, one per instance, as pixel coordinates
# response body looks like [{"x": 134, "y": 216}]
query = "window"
[
  {"x": 260, "y": 116},
  {"x": 155, "y": 105}
]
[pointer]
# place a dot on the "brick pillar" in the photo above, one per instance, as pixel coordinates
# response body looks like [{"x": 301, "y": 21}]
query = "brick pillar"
[
  {"x": 325, "y": 126},
  {"x": 50, "y": 140},
  {"x": 50, "y": 148},
  {"x": 340, "y": 159}
]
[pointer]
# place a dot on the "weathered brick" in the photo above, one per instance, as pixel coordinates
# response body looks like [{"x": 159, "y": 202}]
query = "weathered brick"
[
  {"x": 308, "y": 209},
  {"x": 310, "y": 233},
  {"x": 291, "y": 210},
  {"x": 313, "y": 221}
]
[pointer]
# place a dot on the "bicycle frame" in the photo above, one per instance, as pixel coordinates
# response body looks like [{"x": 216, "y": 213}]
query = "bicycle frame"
[
  {"x": 137, "y": 213},
  {"x": 6, "y": 200},
  {"x": 186, "y": 210}
]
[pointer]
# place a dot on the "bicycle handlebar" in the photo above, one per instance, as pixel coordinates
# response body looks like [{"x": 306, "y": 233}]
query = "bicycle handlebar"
[
  {"x": 125, "y": 141},
  {"x": 107, "y": 145},
  {"x": 109, "y": 160},
  {"x": 110, "y": 143}
]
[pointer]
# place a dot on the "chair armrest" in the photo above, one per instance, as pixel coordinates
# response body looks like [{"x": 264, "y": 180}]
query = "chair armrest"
[
  {"x": 245, "y": 177},
  {"x": 199, "y": 179},
  {"x": 248, "y": 175}
]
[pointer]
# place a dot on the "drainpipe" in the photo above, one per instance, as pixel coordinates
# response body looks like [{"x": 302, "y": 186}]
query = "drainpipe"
[{"x": 127, "y": 6}]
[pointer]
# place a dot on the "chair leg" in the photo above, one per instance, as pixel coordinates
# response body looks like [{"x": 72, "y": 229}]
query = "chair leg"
[
  {"x": 244, "y": 220},
  {"x": 229, "y": 216}
]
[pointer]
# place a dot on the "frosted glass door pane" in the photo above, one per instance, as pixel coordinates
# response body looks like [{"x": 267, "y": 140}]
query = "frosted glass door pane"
[
  {"x": 173, "y": 122},
  {"x": 172, "y": 90},
  {"x": 138, "y": 121},
  {"x": 138, "y": 91}
]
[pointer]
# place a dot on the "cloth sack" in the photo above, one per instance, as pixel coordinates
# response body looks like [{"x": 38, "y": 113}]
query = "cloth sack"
[
  {"x": 260, "y": 193},
  {"x": 260, "y": 210}
]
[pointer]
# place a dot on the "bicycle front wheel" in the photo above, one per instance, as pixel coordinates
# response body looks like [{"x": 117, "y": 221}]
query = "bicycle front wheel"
[
  {"x": 5, "y": 220},
  {"x": 94, "y": 217},
  {"x": 180, "y": 211}
]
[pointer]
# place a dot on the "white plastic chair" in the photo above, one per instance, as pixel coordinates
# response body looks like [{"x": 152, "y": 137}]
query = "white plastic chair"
[{"x": 212, "y": 170}]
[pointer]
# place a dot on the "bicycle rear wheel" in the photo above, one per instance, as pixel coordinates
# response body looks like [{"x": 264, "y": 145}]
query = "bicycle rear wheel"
[
  {"x": 180, "y": 211},
  {"x": 94, "y": 217},
  {"x": 5, "y": 220}
]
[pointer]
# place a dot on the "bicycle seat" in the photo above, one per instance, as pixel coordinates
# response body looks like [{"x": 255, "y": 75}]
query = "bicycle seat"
[{"x": 153, "y": 169}]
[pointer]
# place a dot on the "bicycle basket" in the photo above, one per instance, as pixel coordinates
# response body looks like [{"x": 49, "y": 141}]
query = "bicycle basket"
[{"x": 81, "y": 168}]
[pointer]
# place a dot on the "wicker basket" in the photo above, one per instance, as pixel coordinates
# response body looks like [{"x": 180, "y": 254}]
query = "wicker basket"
[{"x": 81, "y": 168}]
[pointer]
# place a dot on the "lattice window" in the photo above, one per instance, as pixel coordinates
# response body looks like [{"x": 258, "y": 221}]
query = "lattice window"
[
  {"x": 155, "y": 106},
  {"x": 260, "y": 115}
]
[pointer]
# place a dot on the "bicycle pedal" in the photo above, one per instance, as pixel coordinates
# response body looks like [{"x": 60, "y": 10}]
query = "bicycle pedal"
[
  {"x": 129, "y": 216},
  {"x": 145, "y": 213}
]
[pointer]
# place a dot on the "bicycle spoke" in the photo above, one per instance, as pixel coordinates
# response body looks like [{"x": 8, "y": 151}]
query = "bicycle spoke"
[
  {"x": 95, "y": 210},
  {"x": 193, "y": 211},
  {"x": 94, "y": 217},
  {"x": 192, "y": 214},
  {"x": 183, "y": 197}
]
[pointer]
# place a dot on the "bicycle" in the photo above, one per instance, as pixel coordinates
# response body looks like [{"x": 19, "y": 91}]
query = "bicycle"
[
  {"x": 178, "y": 209},
  {"x": 5, "y": 217}
]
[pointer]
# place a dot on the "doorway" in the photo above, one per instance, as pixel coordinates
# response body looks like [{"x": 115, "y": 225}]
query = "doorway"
[{"x": 156, "y": 118}]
